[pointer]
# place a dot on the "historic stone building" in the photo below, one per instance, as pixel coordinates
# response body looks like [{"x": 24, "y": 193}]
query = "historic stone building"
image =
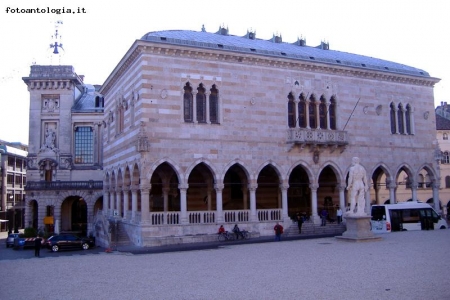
[
  {"x": 206, "y": 128},
  {"x": 443, "y": 133},
  {"x": 65, "y": 175}
]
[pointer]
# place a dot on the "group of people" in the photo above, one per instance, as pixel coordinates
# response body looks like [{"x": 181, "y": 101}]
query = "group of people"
[
  {"x": 278, "y": 228},
  {"x": 235, "y": 230}
]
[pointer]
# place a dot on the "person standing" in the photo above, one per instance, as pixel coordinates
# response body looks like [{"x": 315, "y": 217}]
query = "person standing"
[
  {"x": 278, "y": 231},
  {"x": 37, "y": 246},
  {"x": 323, "y": 216},
  {"x": 339, "y": 215},
  {"x": 299, "y": 222}
]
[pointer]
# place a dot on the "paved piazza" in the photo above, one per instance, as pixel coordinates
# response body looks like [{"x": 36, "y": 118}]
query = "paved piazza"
[{"x": 404, "y": 265}]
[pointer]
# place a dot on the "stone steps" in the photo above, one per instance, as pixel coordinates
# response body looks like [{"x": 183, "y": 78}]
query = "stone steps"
[{"x": 309, "y": 228}]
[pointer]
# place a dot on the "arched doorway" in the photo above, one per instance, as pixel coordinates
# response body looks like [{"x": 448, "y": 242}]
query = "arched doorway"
[
  {"x": 74, "y": 215},
  {"x": 235, "y": 191},
  {"x": 299, "y": 194},
  {"x": 328, "y": 193}
]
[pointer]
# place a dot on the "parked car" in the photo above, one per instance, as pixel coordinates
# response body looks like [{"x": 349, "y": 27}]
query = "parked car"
[
  {"x": 10, "y": 239},
  {"x": 69, "y": 241}
]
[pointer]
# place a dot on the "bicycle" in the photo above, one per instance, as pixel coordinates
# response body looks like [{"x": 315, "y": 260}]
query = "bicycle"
[
  {"x": 245, "y": 234},
  {"x": 226, "y": 236}
]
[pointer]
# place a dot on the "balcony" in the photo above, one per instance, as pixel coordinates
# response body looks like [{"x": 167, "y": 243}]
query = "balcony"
[
  {"x": 318, "y": 137},
  {"x": 64, "y": 185}
]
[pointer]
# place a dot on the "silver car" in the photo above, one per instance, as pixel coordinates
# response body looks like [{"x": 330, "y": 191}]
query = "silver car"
[{"x": 10, "y": 239}]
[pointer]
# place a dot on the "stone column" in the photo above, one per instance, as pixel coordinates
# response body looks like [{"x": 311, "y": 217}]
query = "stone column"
[
  {"x": 145, "y": 202},
  {"x": 307, "y": 102},
  {"x": 436, "y": 186},
  {"x": 296, "y": 114},
  {"x": 317, "y": 114},
  {"x": 105, "y": 201},
  {"x": 194, "y": 107},
  {"x": 134, "y": 190},
  {"x": 126, "y": 197},
  {"x": 219, "y": 202},
  {"x": 119, "y": 201},
  {"x": 112, "y": 201},
  {"x": 414, "y": 190},
  {"x": 253, "y": 215},
  {"x": 183, "y": 203},
  {"x": 284, "y": 201},
  {"x": 315, "y": 215},
  {"x": 328, "y": 114},
  {"x": 392, "y": 189}
]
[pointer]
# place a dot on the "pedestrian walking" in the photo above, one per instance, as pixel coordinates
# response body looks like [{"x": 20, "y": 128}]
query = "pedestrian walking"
[
  {"x": 339, "y": 215},
  {"x": 278, "y": 231},
  {"x": 299, "y": 222},
  {"x": 37, "y": 246}
]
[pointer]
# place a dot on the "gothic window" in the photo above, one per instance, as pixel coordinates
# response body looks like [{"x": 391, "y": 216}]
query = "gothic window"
[
  {"x": 187, "y": 103},
  {"x": 312, "y": 112},
  {"x": 408, "y": 119},
  {"x": 201, "y": 104},
  {"x": 291, "y": 111},
  {"x": 84, "y": 145},
  {"x": 333, "y": 113},
  {"x": 323, "y": 113},
  {"x": 400, "y": 119},
  {"x": 392, "y": 114},
  {"x": 445, "y": 136},
  {"x": 302, "y": 111},
  {"x": 214, "y": 105}
]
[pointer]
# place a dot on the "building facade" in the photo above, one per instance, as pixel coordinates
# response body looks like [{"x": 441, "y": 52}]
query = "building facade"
[
  {"x": 203, "y": 129},
  {"x": 64, "y": 164},
  {"x": 13, "y": 157},
  {"x": 443, "y": 133}
]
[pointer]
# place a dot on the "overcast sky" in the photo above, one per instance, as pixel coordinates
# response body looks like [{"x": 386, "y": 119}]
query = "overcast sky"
[{"x": 411, "y": 32}]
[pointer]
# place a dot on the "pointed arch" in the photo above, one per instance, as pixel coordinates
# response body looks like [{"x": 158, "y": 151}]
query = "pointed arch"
[{"x": 188, "y": 105}]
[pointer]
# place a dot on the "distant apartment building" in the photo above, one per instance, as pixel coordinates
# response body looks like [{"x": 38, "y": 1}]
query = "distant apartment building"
[{"x": 13, "y": 157}]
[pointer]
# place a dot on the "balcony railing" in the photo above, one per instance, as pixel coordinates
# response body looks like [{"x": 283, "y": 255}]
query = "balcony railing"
[
  {"x": 64, "y": 185},
  {"x": 317, "y": 137}
]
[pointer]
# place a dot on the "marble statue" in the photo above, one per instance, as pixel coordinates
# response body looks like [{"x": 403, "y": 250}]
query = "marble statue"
[{"x": 358, "y": 186}]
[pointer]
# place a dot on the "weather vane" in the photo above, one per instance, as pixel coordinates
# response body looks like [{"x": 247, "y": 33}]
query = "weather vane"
[{"x": 56, "y": 43}]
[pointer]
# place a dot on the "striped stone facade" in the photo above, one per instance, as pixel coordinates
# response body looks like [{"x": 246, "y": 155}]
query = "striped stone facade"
[{"x": 197, "y": 136}]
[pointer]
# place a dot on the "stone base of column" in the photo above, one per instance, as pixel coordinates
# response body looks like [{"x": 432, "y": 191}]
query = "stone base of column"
[{"x": 358, "y": 229}]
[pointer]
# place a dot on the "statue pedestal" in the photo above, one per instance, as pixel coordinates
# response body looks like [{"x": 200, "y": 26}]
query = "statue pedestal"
[{"x": 358, "y": 229}]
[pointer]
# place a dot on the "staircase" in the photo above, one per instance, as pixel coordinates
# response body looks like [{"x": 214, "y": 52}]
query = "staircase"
[
  {"x": 308, "y": 228},
  {"x": 119, "y": 236}
]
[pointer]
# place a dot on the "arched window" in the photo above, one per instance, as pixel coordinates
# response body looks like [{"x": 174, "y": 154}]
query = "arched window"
[
  {"x": 445, "y": 136},
  {"x": 187, "y": 103},
  {"x": 323, "y": 113},
  {"x": 333, "y": 113},
  {"x": 302, "y": 111},
  {"x": 400, "y": 119},
  {"x": 201, "y": 104},
  {"x": 291, "y": 111},
  {"x": 214, "y": 105},
  {"x": 408, "y": 119},
  {"x": 427, "y": 181},
  {"x": 445, "y": 158},
  {"x": 312, "y": 112},
  {"x": 447, "y": 182},
  {"x": 392, "y": 114}
]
